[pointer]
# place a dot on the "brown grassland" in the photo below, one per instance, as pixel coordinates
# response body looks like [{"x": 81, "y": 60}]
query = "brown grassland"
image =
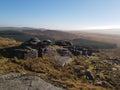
[{"x": 65, "y": 77}]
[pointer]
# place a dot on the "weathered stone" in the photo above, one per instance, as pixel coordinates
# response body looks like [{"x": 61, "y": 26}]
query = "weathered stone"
[
  {"x": 49, "y": 51},
  {"x": 33, "y": 43},
  {"x": 17, "y": 81},
  {"x": 89, "y": 52},
  {"x": 89, "y": 75},
  {"x": 47, "y": 42},
  {"x": 63, "y": 52},
  {"x": 60, "y": 43},
  {"x": 34, "y": 48},
  {"x": 68, "y": 43},
  {"x": 64, "y": 60},
  {"x": 26, "y": 54},
  {"x": 76, "y": 52},
  {"x": 84, "y": 52},
  {"x": 63, "y": 43}
]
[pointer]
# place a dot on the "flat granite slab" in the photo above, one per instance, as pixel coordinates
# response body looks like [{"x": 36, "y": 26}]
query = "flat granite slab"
[{"x": 17, "y": 81}]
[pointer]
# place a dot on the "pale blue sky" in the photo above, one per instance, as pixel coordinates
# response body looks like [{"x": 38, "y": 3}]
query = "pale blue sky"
[{"x": 61, "y": 14}]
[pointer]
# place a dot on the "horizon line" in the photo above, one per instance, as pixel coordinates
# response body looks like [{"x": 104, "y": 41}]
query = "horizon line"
[{"x": 80, "y": 29}]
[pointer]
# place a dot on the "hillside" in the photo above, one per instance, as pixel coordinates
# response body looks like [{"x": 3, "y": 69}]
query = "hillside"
[
  {"x": 84, "y": 38},
  {"x": 71, "y": 76},
  {"x": 57, "y": 35},
  {"x": 93, "y": 43},
  {"x": 23, "y": 35},
  {"x": 115, "y": 39},
  {"x": 64, "y": 77}
]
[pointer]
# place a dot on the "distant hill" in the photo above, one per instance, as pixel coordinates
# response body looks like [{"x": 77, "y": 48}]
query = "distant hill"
[
  {"x": 114, "y": 39},
  {"x": 93, "y": 44},
  {"x": 17, "y": 35},
  {"x": 57, "y": 35},
  {"x": 105, "y": 31},
  {"x": 78, "y": 38},
  {"x": 23, "y": 35},
  {"x": 16, "y": 28}
]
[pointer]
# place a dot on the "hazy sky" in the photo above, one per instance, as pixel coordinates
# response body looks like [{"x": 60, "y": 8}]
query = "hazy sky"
[{"x": 61, "y": 14}]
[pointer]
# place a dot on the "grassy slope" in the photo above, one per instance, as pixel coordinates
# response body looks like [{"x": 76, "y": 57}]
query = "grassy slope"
[
  {"x": 6, "y": 42},
  {"x": 65, "y": 77}
]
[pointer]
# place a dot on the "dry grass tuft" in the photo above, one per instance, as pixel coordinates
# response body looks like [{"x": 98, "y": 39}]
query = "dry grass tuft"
[{"x": 6, "y": 42}]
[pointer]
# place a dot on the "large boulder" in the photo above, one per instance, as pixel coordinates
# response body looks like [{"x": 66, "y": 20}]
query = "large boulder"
[
  {"x": 63, "y": 43},
  {"x": 76, "y": 52},
  {"x": 47, "y": 42},
  {"x": 63, "y": 52},
  {"x": 17, "y": 81},
  {"x": 89, "y": 52},
  {"x": 60, "y": 56},
  {"x": 64, "y": 57},
  {"x": 64, "y": 60},
  {"x": 33, "y": 43},
  {"x": 26, "y": 54},
  {"x": 49, "y": 51}
]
